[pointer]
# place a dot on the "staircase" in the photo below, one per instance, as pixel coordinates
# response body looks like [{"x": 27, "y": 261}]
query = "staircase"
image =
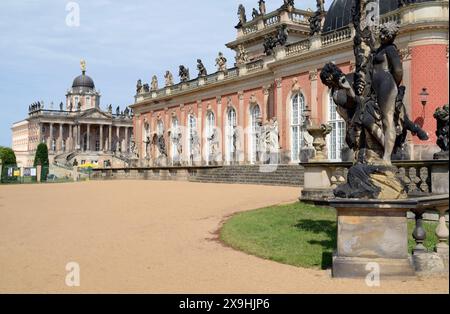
[{"x": 284, "y": 175}]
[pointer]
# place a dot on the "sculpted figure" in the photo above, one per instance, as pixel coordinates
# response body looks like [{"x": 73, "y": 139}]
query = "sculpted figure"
[
  {"x": 184, "y": 74},
  {"x": 139, "y": 87},
  {"x": 441, "y": 115},
  {"x": 154, "y": 84},
  {"x": 282, "y": 35},
  {"x": 221, "y": 63},
  {"x": 146, "y": 88},
  {"x": 213, "y": 140},
  {"x": 176, "y": 137},
  {"x": 269, "y": 44},
  {"x": 201, "y": 69},
  {"x": 255, "y": 13},
  {"x": 262, "y": 7},
  {"x": 242, "y": 16},
  {"x": 242, "y": 55},
  {"x": 169, "y": 79}
]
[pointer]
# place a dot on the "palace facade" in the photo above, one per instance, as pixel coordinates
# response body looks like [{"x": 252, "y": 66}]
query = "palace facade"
[
  {"x": 260, "y": 104},
  {"x": 75, "y": 133}
]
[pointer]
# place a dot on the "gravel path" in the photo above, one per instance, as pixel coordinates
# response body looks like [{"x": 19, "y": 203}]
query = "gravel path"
[{"x": 151, "y": 237}]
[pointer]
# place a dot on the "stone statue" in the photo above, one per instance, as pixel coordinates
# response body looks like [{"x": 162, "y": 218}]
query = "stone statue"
[
  {"x": 154, "y": 84},
  {"x": 195, "y": 145},
  {"x": 110, "y": 109},
  {"x": 184, "y": 74},
  {"x": 176, "y": 137},
  {"x": 79, "y": 106},
  {"x": 269, "y": 44},
  {"x": 371, "y": 102},
  {"x": 70, "y": 106},
  {"x": 282, "y": 35},
  {"x": 201, "y": 69},
  {"x": 169, "y": 78},
  {"x": 139, "y": 87},
  {"x": 442, "y": 133},
  {"x": 315, "y": 23},
  {"x": 133, "y": 147},
  {"x": 242, "y": 55},
  {"x": 126, "y": 112},
  {"x": 148, "y": 146},
  {"x": 213, "y": 141},
  {"x": 61, "y": 106},
  {"x": 146, "y": 88},
  {"x": 288, "y": 5},
  {"x": 221, "y": 63},
  {"x": 242, "y": 16},
  {"x": 262, "y": 7},
  {"x": 160, "y": 144},
  {"x": 118, "y": 111},
  {"x": 255, "y": 13}
]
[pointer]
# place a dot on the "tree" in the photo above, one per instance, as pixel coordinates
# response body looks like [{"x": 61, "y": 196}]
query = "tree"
[
  {"x": 7, "y": 156},
  {"x": 41, "y": 159}
]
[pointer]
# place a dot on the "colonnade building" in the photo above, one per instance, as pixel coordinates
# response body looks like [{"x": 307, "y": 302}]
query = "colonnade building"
[
  {"x": 260, "y": 103},
  {"x": 76, "y": 132}
]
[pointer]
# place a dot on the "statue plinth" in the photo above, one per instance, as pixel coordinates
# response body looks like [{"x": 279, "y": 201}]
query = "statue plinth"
[{"x": 373, "y": 236}]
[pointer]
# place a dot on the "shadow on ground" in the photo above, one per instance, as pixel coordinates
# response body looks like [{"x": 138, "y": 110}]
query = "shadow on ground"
[{"x": 326, "y": 232}]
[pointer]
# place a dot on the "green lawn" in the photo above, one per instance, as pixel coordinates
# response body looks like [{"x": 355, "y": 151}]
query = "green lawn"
[{"x": 296, "y": 234}]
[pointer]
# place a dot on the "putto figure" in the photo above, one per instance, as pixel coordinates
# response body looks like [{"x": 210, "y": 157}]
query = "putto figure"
[
  {"x": 221, "y": 63},
  {"x": 169, "y": 78},
  {"x": 184, "y": 74},
  {"x": 441, "y": 115},
  {"x": 154, "y": 83},
  {"x": 201, "y": 69}
]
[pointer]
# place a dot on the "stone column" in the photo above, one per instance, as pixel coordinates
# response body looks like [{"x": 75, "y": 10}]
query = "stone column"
[
  {"x": 60, "y": 139},
  {"x": 88, "y": 139},
  {"x": 51, "y": 137},
  {"x": 79, "y": 136},
  {"x": 118, "y": 137},
  {"x": 110, "y": 138},
  {"x": 126, "y": 140},
  {"x": 69, "y": 143},
  {"x": 101, "y": 137}
]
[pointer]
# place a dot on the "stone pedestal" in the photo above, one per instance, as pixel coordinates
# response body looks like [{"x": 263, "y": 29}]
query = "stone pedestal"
[
  {"x": 439, "y": 177},
  {"x": 317, "y": 186},
  {"x": 375, "y": 232}
]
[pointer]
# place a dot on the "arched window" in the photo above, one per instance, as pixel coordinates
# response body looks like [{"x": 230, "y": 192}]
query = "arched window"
[
  {"x": 210, "y": 125},
  {"x": 160, "y": 128},
  {"x": 336, "y": 139},
  {"x": 255, "y": 115},
  {"x": 192, "y": 130},
  {"x": 229, "y": 131},
  {"x": 88, "y": 102},
  {"x": 174, "y": 149},
  {"x": 298, "y": 107}
]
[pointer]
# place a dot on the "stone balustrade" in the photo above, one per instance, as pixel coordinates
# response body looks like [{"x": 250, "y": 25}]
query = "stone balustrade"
[{"x": 298, "y": 47}]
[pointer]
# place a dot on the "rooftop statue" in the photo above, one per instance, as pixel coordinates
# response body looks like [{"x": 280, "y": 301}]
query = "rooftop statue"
[
  {"x": 139, "y": 87},
  {"x": 371, "y": 102},
  {"x": 242, "y": 16},
  {"x": 169, "y": 78},
  {"x": 184, "y": 74},
  {"x": 288, "y": 5},
  {"x": 154, "y": 84},
  {"x": 282, "y": 35},
  {"x": 221, "y": 63},
  {"x": 255, "y": 13},
  {"x": 269, "y": 44},
  {"x": 315, "y": 21},
  {"x": 201, "y": 69},
  {"x": 145, "y": 88},
  {"x": 262, "y": 7}
]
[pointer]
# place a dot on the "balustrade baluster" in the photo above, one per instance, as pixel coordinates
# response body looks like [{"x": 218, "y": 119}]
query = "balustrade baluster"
[
  {"x": 419, "y": 233},
  {"x": 442, "y": 233}
]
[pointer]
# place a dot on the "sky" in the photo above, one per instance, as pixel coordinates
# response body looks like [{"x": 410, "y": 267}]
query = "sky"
[{"x": 121, "y": 41}]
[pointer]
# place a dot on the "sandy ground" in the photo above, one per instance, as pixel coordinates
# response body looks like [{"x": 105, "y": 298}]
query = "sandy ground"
[{"x": 151, "y": 237}]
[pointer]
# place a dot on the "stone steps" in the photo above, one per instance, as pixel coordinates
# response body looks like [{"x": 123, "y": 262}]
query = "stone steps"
[{"x": 283, "y": 175}]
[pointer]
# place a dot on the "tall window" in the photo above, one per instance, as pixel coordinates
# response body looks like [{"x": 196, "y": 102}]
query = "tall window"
[
  {"x": 297, "y": 116},
  {"x": 336, "y": 139},
  {"x": 88, "y": 102},
  {"x": 174, "y": 149},
  {"x": 255, "y": 114},
  {"x": 192, "y": 128},
  {"x": 146, "y": 137},
  {"x": 210, "y": 125},
  {"x": 160, "y": 127},
  {"x": 229, "y": 129}
]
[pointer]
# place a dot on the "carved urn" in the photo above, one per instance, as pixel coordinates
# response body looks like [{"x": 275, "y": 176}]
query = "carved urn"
[{"x": 319, "y": 134}]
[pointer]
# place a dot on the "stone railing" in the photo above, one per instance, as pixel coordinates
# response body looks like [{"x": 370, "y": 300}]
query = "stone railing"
[
  {"x": 298, "y": 47},
  {"x": 250, "y": 28},
  {"x": 254, "y": 66},
  {"x": 337, "y": 36},
  {"x": 271, "y": 20},
  {"x": 299, "y": 18}
]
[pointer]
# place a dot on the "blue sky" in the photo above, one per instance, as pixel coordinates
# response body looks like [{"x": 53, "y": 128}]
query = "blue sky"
[{"x": 121, "y": 42}]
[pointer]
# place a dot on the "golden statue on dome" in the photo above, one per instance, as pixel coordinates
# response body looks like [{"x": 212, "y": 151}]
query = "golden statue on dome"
[{"x": 83, "y": 65}]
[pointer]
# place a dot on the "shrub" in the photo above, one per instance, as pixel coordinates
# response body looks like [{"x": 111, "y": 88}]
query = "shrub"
[{"x": 41, "y": 158}]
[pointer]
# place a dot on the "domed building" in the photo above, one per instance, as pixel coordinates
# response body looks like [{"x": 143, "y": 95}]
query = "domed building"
[
  {"x": 76, "y": 132},
  {"x": 260, "y": 102}
]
